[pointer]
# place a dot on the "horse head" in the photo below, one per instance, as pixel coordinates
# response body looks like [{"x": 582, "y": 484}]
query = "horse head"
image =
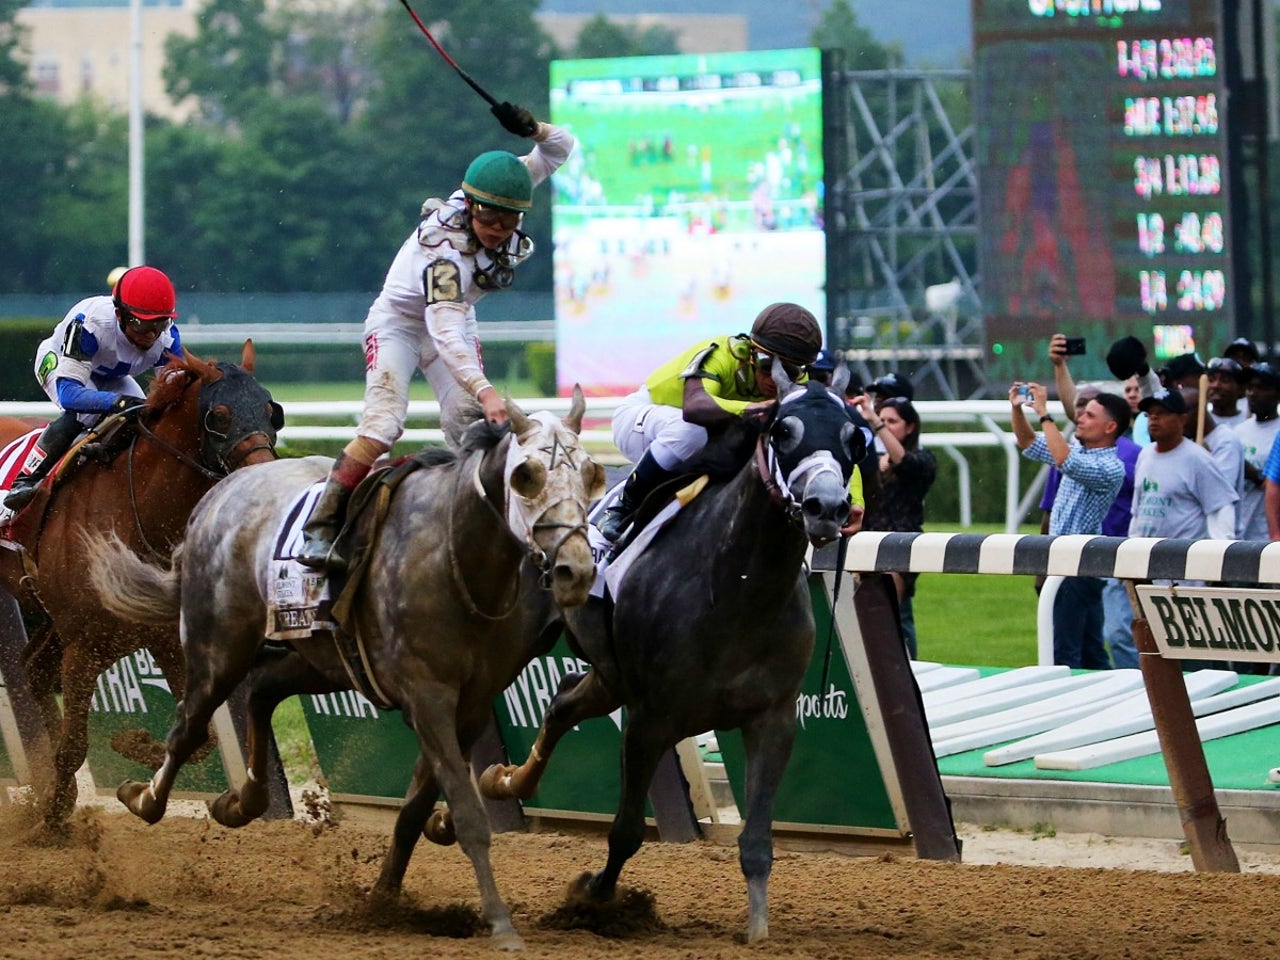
[
  {"x": 552, "y": 481},
  {"x": 237, "y": 419},
  {"x": 812, "y": 449}
]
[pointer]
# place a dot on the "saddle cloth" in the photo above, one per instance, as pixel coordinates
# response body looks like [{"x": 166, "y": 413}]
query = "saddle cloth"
[
  {"x": 298, "y": 598},
  {"x": 611, "y": 570},
  {"x": 13, "y": 462}
]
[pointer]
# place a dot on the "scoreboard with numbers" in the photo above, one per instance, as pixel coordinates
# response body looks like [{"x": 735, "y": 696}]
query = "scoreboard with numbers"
[{"x": 1103, "y": 175}]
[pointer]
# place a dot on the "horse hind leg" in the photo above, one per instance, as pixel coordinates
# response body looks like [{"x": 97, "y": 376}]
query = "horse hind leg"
[
  {"x": 579, "y": 697},
  {"x": 410, "y": 824},
  {"x": 78, "y": 678},
  {"x": 768, "y": 739},
  {"x": 273, "y": 677}
]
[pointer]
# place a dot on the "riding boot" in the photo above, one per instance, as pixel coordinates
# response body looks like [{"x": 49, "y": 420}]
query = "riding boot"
[
  {"x": 321, "y": 529},
  {"x": 55, "y": 441},
  {"x": 644, "y": 479}
]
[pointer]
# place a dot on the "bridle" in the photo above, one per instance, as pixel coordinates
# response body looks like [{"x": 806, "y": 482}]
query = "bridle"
[
  {"x": 544, "y": 561},
  {"x": 224, "y": 463}
]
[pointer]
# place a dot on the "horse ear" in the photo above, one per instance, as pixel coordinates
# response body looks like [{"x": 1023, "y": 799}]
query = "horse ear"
[
  {"x": 576, "y": 409},
  {"x": 519, "y": 422},
  {"x": 780, "y": 378},
  {"x": 248, "y": 356},
  {"x": 840, "y": 379}
]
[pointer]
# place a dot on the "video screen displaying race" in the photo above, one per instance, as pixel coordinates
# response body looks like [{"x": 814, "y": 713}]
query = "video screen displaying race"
[
  {"x": 1103, "y": 173},
  {"x": 693, "y": 200}
]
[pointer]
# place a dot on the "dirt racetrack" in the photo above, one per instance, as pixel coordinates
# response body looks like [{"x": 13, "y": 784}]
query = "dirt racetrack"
[{"x": 190, "y": 888}]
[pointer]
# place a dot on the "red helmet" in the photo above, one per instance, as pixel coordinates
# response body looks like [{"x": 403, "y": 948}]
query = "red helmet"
[{"x": 146, "y": 293}]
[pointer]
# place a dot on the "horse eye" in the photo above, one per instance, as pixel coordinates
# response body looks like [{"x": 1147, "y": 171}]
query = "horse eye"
[
  {"x": 790, "y": 433},
  {"x": 220, "y": 418}
]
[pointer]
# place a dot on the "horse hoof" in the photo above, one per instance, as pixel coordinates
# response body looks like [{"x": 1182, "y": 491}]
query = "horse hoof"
[
  {"x": 584, "y": 887},
  {"x": 227, "y": 811},
  {"x": 140, "y": 800},
  {"x": 495, "y": 782},
  {"x": 510, "y": 942},
  {"x": 439, "y": 829}
]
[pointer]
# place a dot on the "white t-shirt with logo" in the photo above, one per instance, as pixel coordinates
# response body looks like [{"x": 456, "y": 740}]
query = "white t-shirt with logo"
[
  {"x": 1174, "y": 492},
  {"x": 1257, "y": 439}
]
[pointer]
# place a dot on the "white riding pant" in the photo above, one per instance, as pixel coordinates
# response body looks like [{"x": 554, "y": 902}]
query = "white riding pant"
[
  {"x": 393, "y": 348},
  {"x": 641, "y": 425}
]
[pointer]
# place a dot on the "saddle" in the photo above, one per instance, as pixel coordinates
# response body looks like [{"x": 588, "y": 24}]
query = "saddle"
[
  {"x": 103, "y": 442},
  {"x": 653, "y": 504}
]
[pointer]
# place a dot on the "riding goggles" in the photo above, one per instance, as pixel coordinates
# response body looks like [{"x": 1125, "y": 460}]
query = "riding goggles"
[
  {"x": 495, "y": 216},
  {"x": 764, "y": 361},
  {"x": 157, "y": 326}
]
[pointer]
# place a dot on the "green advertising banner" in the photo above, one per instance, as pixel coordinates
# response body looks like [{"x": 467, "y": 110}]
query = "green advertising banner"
[
  {"x": 363, "y": 751},
  {"x": 584, "y": 771},
  {"x": 831, "y": 736},
  {"x": 131, "y": 695}
]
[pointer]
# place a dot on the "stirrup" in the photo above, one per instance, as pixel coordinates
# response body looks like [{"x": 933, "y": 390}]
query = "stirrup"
[
  {"x": 321, "y": 555},
  {"x": 614, "y": 523}
]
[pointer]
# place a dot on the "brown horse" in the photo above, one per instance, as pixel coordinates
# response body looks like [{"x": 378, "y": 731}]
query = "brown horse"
[{"x": 201, "y": 420}]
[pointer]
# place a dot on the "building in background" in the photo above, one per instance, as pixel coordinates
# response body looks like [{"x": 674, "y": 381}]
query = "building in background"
[{"x": 80, "y": 48}]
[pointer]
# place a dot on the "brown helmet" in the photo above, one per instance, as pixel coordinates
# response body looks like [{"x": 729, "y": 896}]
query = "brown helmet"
[{"x": 787, "y": 331}]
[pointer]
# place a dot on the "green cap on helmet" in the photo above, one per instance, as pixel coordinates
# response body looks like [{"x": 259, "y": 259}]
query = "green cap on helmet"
[{"x": 499, "y": 179}]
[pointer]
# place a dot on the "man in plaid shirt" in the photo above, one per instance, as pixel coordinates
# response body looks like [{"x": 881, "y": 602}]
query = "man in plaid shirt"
[{"x": 1092, "y": 474}]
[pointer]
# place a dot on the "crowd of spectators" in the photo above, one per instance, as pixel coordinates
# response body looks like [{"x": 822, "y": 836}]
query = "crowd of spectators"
[{"x": 1184, "y": 451}]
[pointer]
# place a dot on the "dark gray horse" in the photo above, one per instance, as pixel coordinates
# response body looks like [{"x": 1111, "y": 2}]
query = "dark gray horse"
[
  {"x": 712, "y": 629},
  {"x": 450, "y": 609}
]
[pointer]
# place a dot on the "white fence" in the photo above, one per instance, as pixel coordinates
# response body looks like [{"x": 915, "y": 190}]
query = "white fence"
[{"x": 988, "y": 419}]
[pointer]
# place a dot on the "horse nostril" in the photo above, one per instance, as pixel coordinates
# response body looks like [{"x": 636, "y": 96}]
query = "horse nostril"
[{"x": 813, "y": 507}]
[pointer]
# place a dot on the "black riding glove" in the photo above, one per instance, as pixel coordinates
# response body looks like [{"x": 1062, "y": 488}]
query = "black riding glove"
[
  {"x": 125, "y": 404},
  {"x": 515, "y": 119}
]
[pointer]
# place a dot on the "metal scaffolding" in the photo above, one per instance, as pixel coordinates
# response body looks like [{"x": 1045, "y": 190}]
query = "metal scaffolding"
[{"x": 902, "y": 225}]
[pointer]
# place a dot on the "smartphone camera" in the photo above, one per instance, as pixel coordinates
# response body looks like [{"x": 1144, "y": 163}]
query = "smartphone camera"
[
  {"x": 1075, "y": 346},
  {"x": 1024, "y": 393}
]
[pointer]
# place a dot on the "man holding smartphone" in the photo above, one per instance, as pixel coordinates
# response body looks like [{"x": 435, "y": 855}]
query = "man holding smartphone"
[{"x": 1092, "y": 475}]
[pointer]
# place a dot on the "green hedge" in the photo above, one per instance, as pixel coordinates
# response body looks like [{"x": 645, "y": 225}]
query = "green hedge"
[{"x": 19, "y": 338}]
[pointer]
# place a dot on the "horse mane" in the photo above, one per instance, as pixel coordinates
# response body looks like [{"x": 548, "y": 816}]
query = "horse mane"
[{"x": 173, "y": 378}]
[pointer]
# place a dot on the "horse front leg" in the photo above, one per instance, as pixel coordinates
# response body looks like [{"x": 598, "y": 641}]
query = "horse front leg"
[
  {"x": 642, "y": 747},
  {"x": 579, "y": 697},
  {"x": 768, "y": 739},
  {"x": 433, "y": 717}
]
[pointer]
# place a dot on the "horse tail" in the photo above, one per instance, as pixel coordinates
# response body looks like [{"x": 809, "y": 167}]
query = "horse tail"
[{"x": 128, "y": 586}]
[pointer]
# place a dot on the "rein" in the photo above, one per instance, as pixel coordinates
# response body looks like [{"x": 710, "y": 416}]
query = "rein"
[
  {"x": 543, "y": 560},
  {"x": 779, "y": 496},
  {"x": 181, "y": 455}
]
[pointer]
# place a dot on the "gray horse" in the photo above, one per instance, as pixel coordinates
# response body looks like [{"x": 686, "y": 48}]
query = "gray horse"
[
  {"x": 452, "y": 609},
  {"x": 712, "y": 628}
]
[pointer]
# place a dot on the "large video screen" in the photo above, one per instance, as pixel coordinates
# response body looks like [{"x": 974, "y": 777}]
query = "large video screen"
[
  {"x": 693, "y": 200},
  {"x": 1102, "y": 168}
]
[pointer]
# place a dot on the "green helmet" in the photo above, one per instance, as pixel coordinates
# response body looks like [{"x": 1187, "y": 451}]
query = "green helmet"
[{"x": 499, "y": 179}]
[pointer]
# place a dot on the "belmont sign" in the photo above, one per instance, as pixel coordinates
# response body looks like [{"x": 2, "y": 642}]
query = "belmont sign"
[{"x": 1213, "y": 623}]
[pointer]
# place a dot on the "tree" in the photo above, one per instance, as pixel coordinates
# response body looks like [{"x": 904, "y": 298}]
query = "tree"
[
  {"x": 230, "y": 63},
  {"x": 602, "y": 37},
  {"x": 839, "y": 29},
  {"x": 13, "y": 71}
]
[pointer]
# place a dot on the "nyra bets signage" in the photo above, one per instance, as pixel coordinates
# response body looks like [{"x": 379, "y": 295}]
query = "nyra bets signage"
[{"x": 1213, "y": 623}]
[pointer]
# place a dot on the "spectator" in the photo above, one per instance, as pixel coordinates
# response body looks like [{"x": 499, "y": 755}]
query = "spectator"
[
  {"x": 1117, "y": 613},
  {"x": 1257, "y": 436},
  {"x": 891, "y": 385},
  {"x": 1226, "y": 391},
  {"x": 1221, "y": 442},
  {"x": 1178, "y": 491},
  {"x": 1243, "y": 351},
  {"x": 1092, "y": 476},
  {"x": 1182, "y": 371},
  {"x": 907, "y": 471}
]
